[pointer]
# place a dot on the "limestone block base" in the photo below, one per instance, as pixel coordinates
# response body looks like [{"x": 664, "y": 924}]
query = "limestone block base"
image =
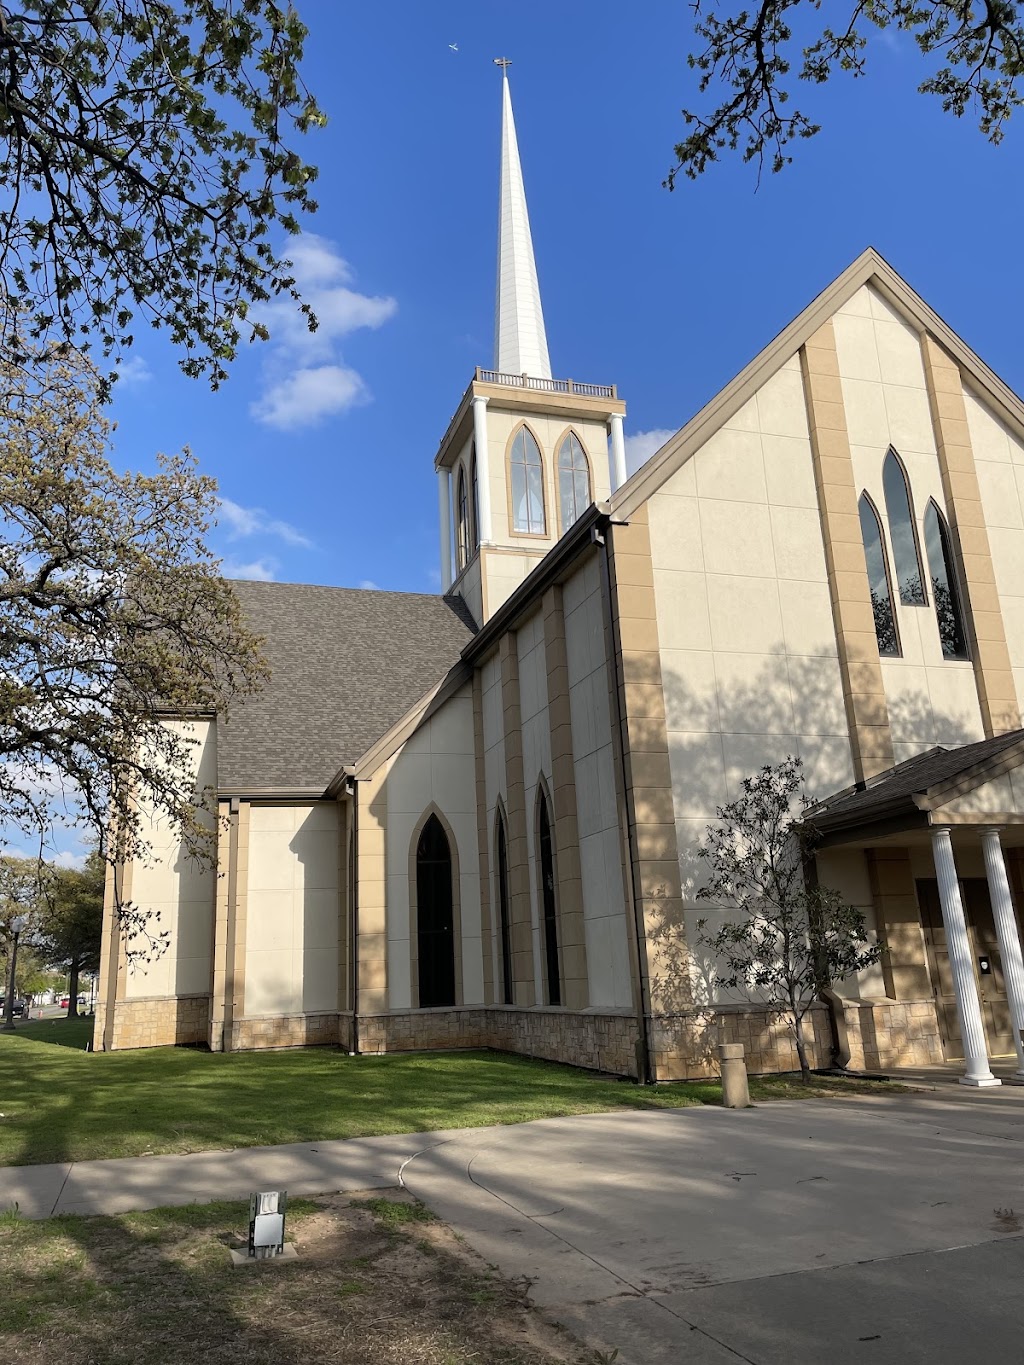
[
  {"x": 877, "y": 1034},
  {"x": 291, "y": 1030},
  {"x": 156, "y": 1022}
]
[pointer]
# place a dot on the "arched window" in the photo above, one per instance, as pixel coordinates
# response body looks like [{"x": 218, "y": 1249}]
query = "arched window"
[
  {"x": 435, "y": 920},
  {"x": 527, "y": 469},
  {"x": 547, "y": 888},
  {"x": 878, "y": 578},
  {"x": 476, "y": 498},
  {"x": 573, "y": 479},
  {"x": 948, "y": 610},
  {"x": 462, "y": 522},
  {"x": 504, "y": 916},
  {"x": 902, "y": 532}
]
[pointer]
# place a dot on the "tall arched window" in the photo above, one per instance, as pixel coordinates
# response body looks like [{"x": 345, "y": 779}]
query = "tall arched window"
[
  {"x": 504, "y": 915},
  {"x": 475, "y": 540},
  {"x": 547, "y": 890},
  {"x": 948, "y": 610},
  {"x": 462, "y": 522},
  {"x": 435, "y": 919},
  {"x": 573, "y": 479},
  {"x": 878, "y": 578},
  {"x": 902, "y": 532},
  {"x": 527, "y": 470}
]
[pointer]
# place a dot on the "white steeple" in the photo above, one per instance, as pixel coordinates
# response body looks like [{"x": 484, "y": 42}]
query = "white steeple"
[{"x": 520, "y": 342}]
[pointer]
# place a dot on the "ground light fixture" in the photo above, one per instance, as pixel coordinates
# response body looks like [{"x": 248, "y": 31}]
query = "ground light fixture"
[{"x": 266, "y": 1242}]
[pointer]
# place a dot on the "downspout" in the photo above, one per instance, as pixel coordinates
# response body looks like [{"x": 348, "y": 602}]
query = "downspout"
[
  {"x": 645, "y": 1076},
  {"x": 352, "y": 789}
]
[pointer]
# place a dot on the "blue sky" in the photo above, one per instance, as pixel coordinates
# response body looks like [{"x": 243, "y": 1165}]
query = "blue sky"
[{"x": 667, "y": 295}]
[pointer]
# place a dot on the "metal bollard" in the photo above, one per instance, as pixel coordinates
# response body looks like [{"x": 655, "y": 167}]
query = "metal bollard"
[{"x": 735, "y": 1092}]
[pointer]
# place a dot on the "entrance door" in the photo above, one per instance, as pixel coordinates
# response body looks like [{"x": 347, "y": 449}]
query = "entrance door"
[
  {"x": 435, "y": 927},
  {"x": 988, "y": 967}
]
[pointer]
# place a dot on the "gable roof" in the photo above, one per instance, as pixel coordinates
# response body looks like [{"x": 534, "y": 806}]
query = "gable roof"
[
  {"x": 912, "y": 789},
  {"x": 347, "y": 664},
  {"x": 868, "y": 268}
]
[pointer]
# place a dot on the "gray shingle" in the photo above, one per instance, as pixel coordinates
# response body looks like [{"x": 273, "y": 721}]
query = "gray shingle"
[{"x": 347, "y": 664}]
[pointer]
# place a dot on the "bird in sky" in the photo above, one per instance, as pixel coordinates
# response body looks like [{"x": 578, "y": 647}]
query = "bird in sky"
[{"x": 454, "y": 47}]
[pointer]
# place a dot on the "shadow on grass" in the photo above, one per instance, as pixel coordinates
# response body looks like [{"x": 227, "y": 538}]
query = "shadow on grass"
[{"x": 62, "y": 1032}]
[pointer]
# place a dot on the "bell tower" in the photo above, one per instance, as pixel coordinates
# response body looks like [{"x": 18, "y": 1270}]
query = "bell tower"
[{"x": 525, "y": 453}]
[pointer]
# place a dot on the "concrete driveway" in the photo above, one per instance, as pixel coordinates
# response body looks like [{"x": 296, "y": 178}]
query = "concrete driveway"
[{"x": 887, "y": 1231}]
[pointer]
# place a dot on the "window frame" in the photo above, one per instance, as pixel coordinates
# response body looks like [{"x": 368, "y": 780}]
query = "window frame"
[
  {"x": 510, "y": 466},
  {"x": 866, "y": 501},
  {"x": 462, "y": 525},
  {"x": 893, "y": 454},
  {"x": 958, "y": 597}
]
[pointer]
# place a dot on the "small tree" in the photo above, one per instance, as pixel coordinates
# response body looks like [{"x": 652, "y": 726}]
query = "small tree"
[
  {"x": 792, "y": 939},
  {"x": 70, "y": 922}
]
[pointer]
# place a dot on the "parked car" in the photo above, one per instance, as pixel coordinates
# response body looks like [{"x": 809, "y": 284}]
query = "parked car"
[
  {"x": 65, "y": 1001},
  {"x": 18, "y": 1009}
]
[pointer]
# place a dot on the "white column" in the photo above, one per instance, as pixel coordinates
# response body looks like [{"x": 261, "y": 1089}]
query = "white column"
[
  {"x": 444, "y": 498},
  {"x": 617, "y": 463},
  {"x": 1009, "y": 938},
  {"x": 483, "y": 468},
  {"x": 958, "y": 946}
]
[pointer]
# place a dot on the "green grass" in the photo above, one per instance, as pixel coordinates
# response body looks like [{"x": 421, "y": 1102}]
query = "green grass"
[
  {"x": 59, "y": 1104},
  {"x": 64, "y": 1032}
]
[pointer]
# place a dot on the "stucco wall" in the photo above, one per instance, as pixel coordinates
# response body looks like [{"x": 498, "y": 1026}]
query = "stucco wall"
[
  {"x": 178, "y": 890},
  {"x": 599, "y": 837},
  {"x": 845, "y": 870},
  {"x": 434, "y": 768},
  {"x": 536, "y": 731},
  {"x": 999, "y": 460},
  {"x": 495, "y": 786},
  {"x": 293, "y": 909},
  {"x": 931, "y": 700}
]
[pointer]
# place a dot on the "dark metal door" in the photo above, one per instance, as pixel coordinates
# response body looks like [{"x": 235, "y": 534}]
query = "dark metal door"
[
  {"x": 547, "y": 884},
  {"x": 435, "y": 928}
]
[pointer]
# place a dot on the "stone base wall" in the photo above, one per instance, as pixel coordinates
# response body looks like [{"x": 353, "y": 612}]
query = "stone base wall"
[
  {"x": 683, "y": 1046},
  {"x": 156, "y": 1022},
  {"x": 877, "y": 1034},
  {"x": 291, "y": 1030},
  {"x": 600, "y": 1042}
]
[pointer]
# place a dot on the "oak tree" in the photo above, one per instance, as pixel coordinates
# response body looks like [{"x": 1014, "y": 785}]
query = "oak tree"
[
  {"x": 750, "y": 57},
  {"x": 68, "y": 925}
]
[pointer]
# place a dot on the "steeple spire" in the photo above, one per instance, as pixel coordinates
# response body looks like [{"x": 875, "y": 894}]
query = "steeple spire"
[{"x": 520, "y": 342}]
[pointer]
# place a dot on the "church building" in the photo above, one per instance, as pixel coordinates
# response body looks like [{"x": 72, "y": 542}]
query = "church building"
[{"x": 472, "y": 819}]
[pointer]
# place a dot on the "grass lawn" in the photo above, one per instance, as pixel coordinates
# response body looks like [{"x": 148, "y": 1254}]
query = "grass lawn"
[
  {"x": 62, "y": 1104},
  {"x": 376, "y": 1280}
]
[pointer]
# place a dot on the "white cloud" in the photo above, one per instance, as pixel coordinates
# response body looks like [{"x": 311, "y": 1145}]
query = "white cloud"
[
  {"x": 643, "y": 444},
  {"x": 305, "y": 397},
  {"x": 251, "y": 521},
  {"x": 369, "y": 585},
  {"x": 257, "y": 570},
  {"x": 306, "y": 378},
  {"x": 133, "y": 371}
]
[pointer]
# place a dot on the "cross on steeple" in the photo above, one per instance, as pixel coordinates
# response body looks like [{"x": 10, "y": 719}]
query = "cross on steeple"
[{"x": 502, "y": 62}]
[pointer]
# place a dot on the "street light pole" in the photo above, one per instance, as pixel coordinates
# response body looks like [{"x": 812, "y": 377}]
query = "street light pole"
[{"x": 17, "y": 924}]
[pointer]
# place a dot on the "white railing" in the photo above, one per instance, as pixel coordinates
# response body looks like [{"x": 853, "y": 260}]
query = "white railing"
[{"x": 526, "y": 381}]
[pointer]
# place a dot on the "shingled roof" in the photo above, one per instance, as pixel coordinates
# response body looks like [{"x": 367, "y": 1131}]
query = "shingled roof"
[
  {"x": 894, "y": 791},
  {"x": 347, "y": 663}
]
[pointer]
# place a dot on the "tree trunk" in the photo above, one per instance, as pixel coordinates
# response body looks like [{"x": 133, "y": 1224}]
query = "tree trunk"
[
  {"x": 73, "y": 989},
  {"x": 801, "y": 1048}
]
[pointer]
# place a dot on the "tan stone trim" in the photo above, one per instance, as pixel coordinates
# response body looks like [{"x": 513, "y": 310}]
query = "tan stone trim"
[
  {"x": 483, "y": 843},
  {"x": 657, "y": 886},
  {"x": 414, "y": 955},
  {"x": 544, "y": 483},
  {"x": 997, "y": 693},
  {"x": 860, "y": 667},
  {"x": 240, "y": 913},
  {"x": 898, "y": 921},
  {"x": 868, "y": 268},
  {"x": 524, "y": 985},
  {"x": 344, "y": 905},
  {"x": 219, "y": 1033},
  {"x": 572, "y": 945},
  {"x": 372, "y": 946},
  {"x": 111, "y": 979}
]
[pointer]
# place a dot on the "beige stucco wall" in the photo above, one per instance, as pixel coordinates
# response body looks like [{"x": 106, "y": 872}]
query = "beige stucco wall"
[
  {"x": 434, "y": 768},
  {"x": 594, "y": 763},
  {"x": 178, "y": 890},
  {"x": 748, "y": 649},
  {"x": 931, "y": 700},
  {"x": 999, "y": 461},
  {"x": 536, "y": 732},
  {"x": 293, "y": 909},
  {"x": 495, "y": 787},
  {"x": 846, "y": 871}
]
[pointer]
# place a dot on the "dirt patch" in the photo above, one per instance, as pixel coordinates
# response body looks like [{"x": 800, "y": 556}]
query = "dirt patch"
[{"x": 376, "y": 1280}]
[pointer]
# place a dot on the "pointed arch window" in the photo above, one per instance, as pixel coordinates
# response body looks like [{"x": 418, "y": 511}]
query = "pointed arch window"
[
  {"x": 878, "y": 579},
  {"x": 462, "y": 522},
  {"x": 435, "y": 919},
  {"x": 547, "y": 890},
  {"x": 504, "y": 914},
  {"x": 527, "y": 470},
  {"x": 906, "y": 552},
  {"x": 573, "y": 479},
  {"x": 948, "y": 610}
]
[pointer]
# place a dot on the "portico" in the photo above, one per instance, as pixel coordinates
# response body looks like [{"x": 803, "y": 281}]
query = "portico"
[{"x": 943, "y": 838}]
